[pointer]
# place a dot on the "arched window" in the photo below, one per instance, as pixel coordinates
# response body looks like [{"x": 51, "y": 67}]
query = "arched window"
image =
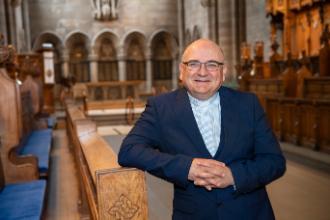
[
  {"x": 162, "y": 60},
  {"x": 135, "y": 63},
  {"x": 78, "y": 63},
  {"x": 107, "y": 63}
]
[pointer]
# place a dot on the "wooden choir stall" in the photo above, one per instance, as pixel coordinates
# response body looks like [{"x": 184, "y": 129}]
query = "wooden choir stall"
[{"x": 294, "y": 86}]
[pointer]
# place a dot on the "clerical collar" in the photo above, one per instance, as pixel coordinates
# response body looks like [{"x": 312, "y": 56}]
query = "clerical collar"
[{"x": 202, "y": 103}]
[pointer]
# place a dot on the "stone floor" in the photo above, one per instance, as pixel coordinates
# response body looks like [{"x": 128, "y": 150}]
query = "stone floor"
[{"x": 302, "y": 193}]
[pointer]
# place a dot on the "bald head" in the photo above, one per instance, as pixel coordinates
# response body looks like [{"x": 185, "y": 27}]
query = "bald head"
[
  {"x": 201, "y": 43},
  {"x": 200, "y": 80}
]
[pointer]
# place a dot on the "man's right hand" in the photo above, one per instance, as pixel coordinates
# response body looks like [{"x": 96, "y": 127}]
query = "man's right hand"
[{"x": 210, "y": 173}]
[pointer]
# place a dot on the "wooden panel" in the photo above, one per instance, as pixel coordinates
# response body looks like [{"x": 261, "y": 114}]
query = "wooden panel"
[
  {"x": 15, "y": 169},
  {"x": 324, "y": 126},
  {"x": 97, "y": 153},
  {"x": 107, "y": 190},
  {"x": 307, "y": 124},
  {"x": 317, "y": 88},
  {"x": 274, "y": 116},
  {"x": 118, "y": 197},
  {"x": 289, "y": 118}
]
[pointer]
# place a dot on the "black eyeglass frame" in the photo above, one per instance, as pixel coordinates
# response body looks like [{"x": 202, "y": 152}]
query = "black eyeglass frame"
[{"x": 220, "y": 64}]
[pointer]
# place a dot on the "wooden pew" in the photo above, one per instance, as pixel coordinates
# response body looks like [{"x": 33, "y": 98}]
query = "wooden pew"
[
  {"x": 303, "y": 122},
  {"x": 317, "y": 88},
  {"x": 16, "y": 169},
  {"x": 24, "y": 145},
  {"x": 24, "y": 200},
  {"x": 110, "y": 191},
  {"x": 266, "y": 88}
]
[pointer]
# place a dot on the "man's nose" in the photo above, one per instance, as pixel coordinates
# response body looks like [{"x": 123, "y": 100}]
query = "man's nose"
[{"x": 203, "y": 71}]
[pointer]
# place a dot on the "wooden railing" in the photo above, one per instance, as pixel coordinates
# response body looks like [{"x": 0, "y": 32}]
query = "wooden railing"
[
  {"x": 107, "y": 90},
  {"x": 109, "y": 191}
]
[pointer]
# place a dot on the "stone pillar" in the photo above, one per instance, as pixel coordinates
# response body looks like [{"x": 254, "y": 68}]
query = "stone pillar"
[
  {"x": 148, "y": 73},
  {"x": 3, "y": 20},
  {"x": 26, "y": 24},
  {"x": 20, "y": 41},
  {"x": 121, "y": 64},
  {"x": 181, "y": 25},
  {"x": 122, "y": 67},
  {"x": 65, "y": 63},
  {"x": 93, "y": 67}
]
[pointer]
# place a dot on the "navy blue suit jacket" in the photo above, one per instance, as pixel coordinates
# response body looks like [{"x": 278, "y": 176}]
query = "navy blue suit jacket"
[{"x": 166, "y": 138}]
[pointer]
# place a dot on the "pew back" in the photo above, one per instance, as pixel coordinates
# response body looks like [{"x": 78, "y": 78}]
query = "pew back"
[
  {"x": 112, "y": 192},
  {"x": 10, "y": 117}
]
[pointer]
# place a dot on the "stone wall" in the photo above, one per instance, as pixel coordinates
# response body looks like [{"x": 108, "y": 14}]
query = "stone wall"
[{"x": 64, "y": 17}]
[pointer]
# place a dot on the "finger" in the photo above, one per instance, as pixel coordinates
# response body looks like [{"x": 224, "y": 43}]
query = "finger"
[{"x": 209, "y": 163}]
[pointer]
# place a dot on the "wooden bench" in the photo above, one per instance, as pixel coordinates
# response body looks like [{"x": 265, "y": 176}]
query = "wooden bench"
[
  {"x": 108, "y": 190},
  {"x": 115, "y": 112},
  {"x": 25, "y": 152},
  {"x": 24, "y": 200}
]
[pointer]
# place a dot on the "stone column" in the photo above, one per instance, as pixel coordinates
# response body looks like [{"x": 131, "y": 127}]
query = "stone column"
[
  {"x": 65, "y": 63},
  {"x": 20, "y": 41},
  {"x": 122, "y": 66},
  {"x": 181, "y": 25},
  {"x": 93, "y": 67},
  {"x": 148, "y": 73},
  {"x": 26, "y": 24},
  {"x": 3, "y": 20}
]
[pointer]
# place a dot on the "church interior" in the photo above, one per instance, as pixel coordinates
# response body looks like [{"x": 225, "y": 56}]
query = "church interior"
[{"x": 76, "y": 75}]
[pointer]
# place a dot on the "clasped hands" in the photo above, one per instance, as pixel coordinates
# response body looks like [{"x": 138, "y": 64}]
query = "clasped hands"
[{"x": 210, "y": 173}]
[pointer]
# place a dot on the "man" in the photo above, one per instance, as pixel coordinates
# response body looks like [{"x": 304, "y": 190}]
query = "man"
[{"x": 213, "y": 143}]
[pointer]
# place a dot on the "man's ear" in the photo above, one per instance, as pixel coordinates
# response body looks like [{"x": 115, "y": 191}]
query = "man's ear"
[
  {"x": 224, "y": 73},
  {"x": 181, "y": 71}
]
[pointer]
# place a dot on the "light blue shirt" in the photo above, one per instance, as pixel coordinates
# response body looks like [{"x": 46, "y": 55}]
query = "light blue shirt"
[{"x": 208, "y": 117}]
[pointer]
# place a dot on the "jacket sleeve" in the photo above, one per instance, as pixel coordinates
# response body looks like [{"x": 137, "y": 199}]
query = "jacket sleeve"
[
  {"x": 142, "y": 149},
  {"x": 268, "y": 162}
]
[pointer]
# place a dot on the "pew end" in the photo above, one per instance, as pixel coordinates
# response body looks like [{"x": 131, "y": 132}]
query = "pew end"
[{"x": 108, "y": 190}]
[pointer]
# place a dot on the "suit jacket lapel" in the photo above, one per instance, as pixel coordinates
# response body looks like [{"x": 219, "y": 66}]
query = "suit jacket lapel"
[
  {"x": 187, "y": 121},
  {"x": 228, "y": 121}
]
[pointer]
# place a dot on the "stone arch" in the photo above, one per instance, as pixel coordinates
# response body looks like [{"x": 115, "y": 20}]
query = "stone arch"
[
  {"x": 163, "y": 50},
  {"x": 78, "y": 48},
  {"x": 57, "y": 45},
  {"x": 105, "y": 48},
  {"x": 106, "y": 33},
  {"x": 135, "y": 54}
]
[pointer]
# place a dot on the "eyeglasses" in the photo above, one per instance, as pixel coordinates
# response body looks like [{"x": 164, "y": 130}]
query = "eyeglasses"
[{"x": 195, "y": 65}]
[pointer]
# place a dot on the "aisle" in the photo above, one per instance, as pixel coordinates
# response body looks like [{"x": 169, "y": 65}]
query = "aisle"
[
  {"x": 302, "y": 193},
  {"x": 62, "y": 182}
]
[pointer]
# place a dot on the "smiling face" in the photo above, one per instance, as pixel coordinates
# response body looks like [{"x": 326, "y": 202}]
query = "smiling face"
[{"x": 203, "y": 83}]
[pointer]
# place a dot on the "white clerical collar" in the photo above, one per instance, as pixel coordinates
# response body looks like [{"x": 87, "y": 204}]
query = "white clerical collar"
[{"x": 202, "y": 103}]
